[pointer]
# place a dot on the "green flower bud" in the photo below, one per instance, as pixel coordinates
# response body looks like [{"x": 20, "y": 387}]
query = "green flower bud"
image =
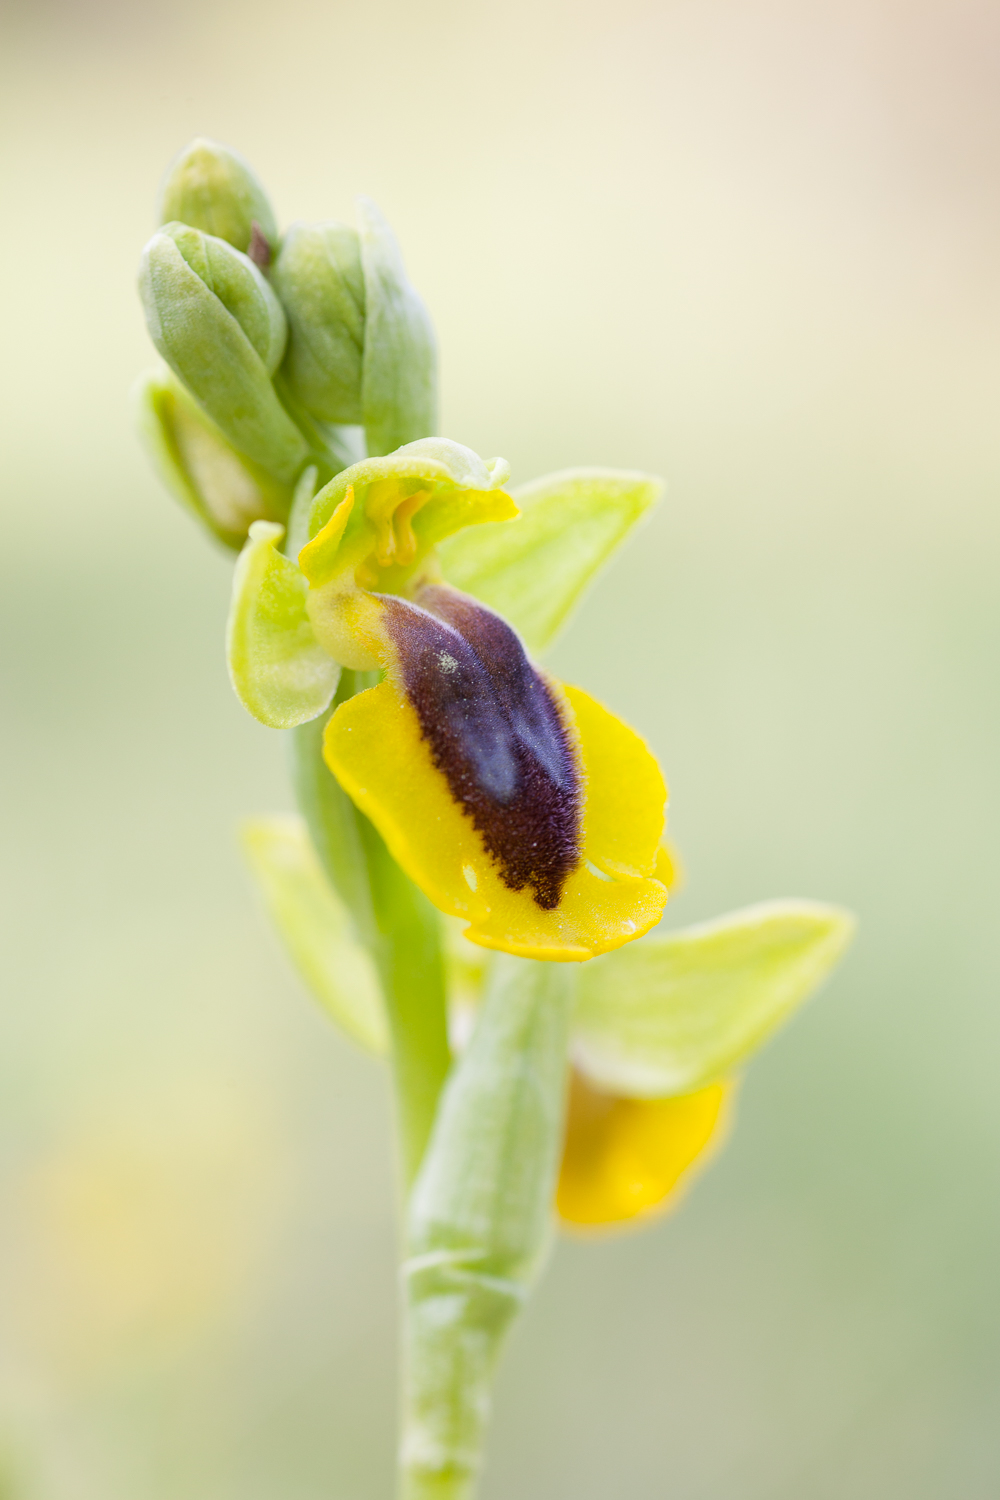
[
  {"x": 239, "y": 286},
  {"x": 212, "y": 188},
  {"x": 220, "y": 328},
  {"x": 399, "y": 373},
  {"x": 226, "y": 492},
  {"x": 319, "y": 278}
]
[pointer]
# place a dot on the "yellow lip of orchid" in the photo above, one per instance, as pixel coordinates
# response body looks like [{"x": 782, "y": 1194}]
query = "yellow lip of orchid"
[
  {"x": 625, "y": 1159},
  {"x": 516, "y": 803}
]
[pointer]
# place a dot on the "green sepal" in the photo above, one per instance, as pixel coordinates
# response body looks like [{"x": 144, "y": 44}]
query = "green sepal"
[
  {"x": 480, "y": 1216},
  {"x": 668, "y": 1015},
  {"x": 319, "y": 279},
  {"x": 224, "y": 490},
  {"x": 241, "y": 288},
  {"x": 316, "y": 928},
  {"x": 220, "y": 328},
  {"x": 211, "y": 187},
  {"x": 399, "y": 366},
  {"x": 534, "y": 571},
  {"x": 279, "y": 671}
]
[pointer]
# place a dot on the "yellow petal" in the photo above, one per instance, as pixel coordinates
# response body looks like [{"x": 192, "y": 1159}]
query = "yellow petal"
[
  {"x": 318, "y": 558},
  {"x": 669, "y": 866},
  {"x": 626, "y": 794},
  {"x": 374, "y": 747},
  {"x": 627, "y": 1158}
]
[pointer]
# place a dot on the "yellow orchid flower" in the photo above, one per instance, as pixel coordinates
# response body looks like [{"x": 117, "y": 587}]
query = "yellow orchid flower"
[{"x": 513, "y": 801}]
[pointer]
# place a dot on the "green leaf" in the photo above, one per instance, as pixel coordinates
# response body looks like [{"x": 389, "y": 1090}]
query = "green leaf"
[
  {"x": 399, "y": 363},
  {"x": 315, "y": 928},
  {"x": 667, "y": 1015},
  {"x": 533, "y": 570},
  {"x": 280, "y": 672}
]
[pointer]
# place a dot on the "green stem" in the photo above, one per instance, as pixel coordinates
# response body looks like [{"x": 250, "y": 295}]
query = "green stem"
[
  {"x": 480, "y": 1221},
  {"x": 398, "y": 925},
  {"x": 410, "y": 964}
]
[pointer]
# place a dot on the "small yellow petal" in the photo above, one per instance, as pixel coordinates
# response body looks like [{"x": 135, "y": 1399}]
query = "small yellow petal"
[
  {"x": 318, "y": 558},
  {"x": 626, "y": 1158},
  {"x": 374, "y": 747}
]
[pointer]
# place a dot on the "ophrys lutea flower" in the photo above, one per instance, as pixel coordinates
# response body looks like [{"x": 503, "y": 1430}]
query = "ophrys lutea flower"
[{"x": 513, "y": 801}]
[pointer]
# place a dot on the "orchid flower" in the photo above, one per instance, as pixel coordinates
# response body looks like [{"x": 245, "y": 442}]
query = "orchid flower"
[{"x": 513, "y": 801}]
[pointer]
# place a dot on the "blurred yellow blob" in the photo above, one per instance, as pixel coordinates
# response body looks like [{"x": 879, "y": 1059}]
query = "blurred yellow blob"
[{"x": 626, "y": 1158}]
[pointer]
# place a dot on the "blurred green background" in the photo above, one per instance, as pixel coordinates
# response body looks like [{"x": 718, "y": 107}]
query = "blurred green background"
[{"x": 752, "y": 245}]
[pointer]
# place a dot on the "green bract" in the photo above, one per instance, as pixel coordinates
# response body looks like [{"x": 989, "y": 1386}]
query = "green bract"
[
  {"x": 534, "y": 572},
  {"x": 226, "y": 491},
  {"x": 280, "y": 673},
  {"x": 315, "y": 928},
  {"x": 399, "y": 368},
  {"x": 219, "y": 326},
  {"x": 670, "y": 1014},
  {"x": 211, "y": 187},
  {"x": 319, "y": 279}
]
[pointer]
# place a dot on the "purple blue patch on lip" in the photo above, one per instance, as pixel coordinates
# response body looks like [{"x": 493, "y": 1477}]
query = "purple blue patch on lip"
[{"x": 495, "y": 733}]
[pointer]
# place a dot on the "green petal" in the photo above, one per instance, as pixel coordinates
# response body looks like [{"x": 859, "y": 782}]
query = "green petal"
[
  {"x": 669, "y": 1015},
  {"x": 315, "y": 928},
  {"x": 533, "y": 572},
  {"x": 399, "y": 364},
  {"x": 279, "y": 671}
]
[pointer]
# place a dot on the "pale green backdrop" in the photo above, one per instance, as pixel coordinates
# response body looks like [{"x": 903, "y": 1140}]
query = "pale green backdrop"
[{"x": 753, "y": 245}]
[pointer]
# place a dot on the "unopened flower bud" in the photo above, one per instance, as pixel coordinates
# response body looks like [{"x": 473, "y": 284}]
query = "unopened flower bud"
[
  {"x": 212, "y": 188},
  {"x": 399, "y": 368},
  {"x": 225, "y": 491},
  {"x": 215, "y": 320},
  {"x": 319, "y": 278}
]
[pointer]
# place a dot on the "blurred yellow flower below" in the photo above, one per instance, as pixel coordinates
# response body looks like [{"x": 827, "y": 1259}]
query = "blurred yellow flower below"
[{"x": 625, "y": 1159}]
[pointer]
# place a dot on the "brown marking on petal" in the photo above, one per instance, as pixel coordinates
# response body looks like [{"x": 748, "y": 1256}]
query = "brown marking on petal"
[
  {"x": 259, "y": 249},
  {"x": 495, "y": 733}
]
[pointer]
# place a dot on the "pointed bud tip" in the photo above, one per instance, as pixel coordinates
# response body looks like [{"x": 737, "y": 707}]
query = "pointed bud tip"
[
  {"x": 259, "y": 249},
  {"x": 211, "y": 187}
]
